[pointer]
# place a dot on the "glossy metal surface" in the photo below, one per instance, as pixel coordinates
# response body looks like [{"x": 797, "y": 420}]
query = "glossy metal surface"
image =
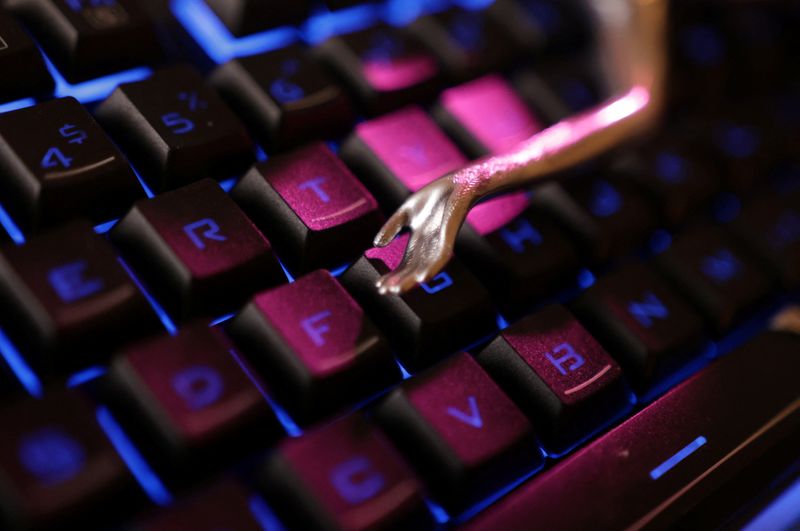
[{"x": 632, "y": 36}]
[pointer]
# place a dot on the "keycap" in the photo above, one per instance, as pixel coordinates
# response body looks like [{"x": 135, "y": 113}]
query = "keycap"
[
  {"x": 448, "y": 313},
  {"x": 67, "y": 301},
  {"x": 464, "y": 435},
  {"x": 400, "y": 153},
  {"x": 345, "y": 475},
  {"x": 57, "y": 164},
  {"x": 285, "y": 97},
  {"x": 675, "y": 176},
  {"x": 642, "y": 321},
  {"x": 701, "y": 60},
  {"x": 558, "y": 375},
  {"x": 223, "y": 505},
  {"x": 486, "y": 116},
  {"x": 90, "y": 38},
  {"x": 770, "y": 226},
  {"x": 657, "y": 465},
  {"x": 192, "y": 404},
  {"x": 467, "y": 43},
  {"x": 314, "y": 345},
  {"x": 517, "y": 252},
  {"x": 715, "y": 274},
  {"x": 244, "y": 17},
  {"x": 24, "y": 71},
  {"x": 742, "y": 148},
  {"x": 311, "y": 207},
  {"x": 176, "y": 130},
  {"x": 58, "y": 467},
  {"x": 607, "y": 217},
  {"x": 383, "y": 66},
  {"x": 547, "y": 27},
  {"x": 196, "y": 250},
  {"x": 560, "y": 89}
]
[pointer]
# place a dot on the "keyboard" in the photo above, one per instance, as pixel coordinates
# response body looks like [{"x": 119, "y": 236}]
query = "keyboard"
[{"x": 190, "y": 333}]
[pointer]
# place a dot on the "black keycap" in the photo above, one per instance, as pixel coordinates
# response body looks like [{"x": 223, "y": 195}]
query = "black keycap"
[
  {"x": 561, "y": 89},
  {"x": 446, "y": 314},
  {"x": 384, "y": 67},
  {"x": 314, "y": 346},
  {"x": 642, "y": 321},
  {"x": 607, "y": 217},
  {"x": 517, "y": 252},
  {"x": 545, "y": 26},
  {"x": 771, "y": 227},
  {"x": 197, "y": 250},
  {"x": 345, "y": 476},
  {"x": 467, "y": 43},
  {"x": 24, "y": 71},
  {"x": 58, "y": 467},
  {"x": 67, "y": 300},
  {"x": 465, "y": 436},
  {"x": 558, "y": 375},
  {"x": 176, "y": 130},
  {"x": 716, "y": 274},
  {"x": 285, "y": 97},
  {"x": 90, "y": 38},
  {"x": 223, "y": 505},
  {"x": 675, "y": 175},
  {"x": 193, "y": 406},
  {"x": 648, "y": 472},
  {"x": 56, "y": 164},
  {"x": 311, "y": 207},
  {"x": 243, "y": 17}
]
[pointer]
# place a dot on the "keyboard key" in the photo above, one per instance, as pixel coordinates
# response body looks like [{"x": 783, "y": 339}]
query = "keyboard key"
[
  {"x": 463, "y": 434},
  {"x": 244, "y": 17},
  {"x": 715, "y": 274},
  {"x": 311, "y": 207},
  {"x": 315, "y": 347},
  {"x": 24, "y": 71},
  {"x": 383, "y": 66},
  {"x": 642, "y": 321},
  {"x": 176, "y": 129},
  {"x": 559, "y": 375},
  {"x": 67, "y": 300},
  {"x": 193, "y": 405},
  {"x": 771, "y": 227},
  {"x": 446, "y": 314},
  {"x": 224, "y": 505},
  {"x": 197, "y": 250},
  {"x": 87, "y": 38},
  {"x": 607, "y": 217},
  {"x": 399, "y": 153},
  {"x": 467, "y": 43},
  {"x": 285, "y": 97},
  {"x": 547, "y": 27},
  {"x": 58, "y": 467},
  {"x": 56, "y": 164},
  {"x": 344, "y": 476},
  {"x": 516, "y": 252},
  {"x": 742, "y": 148},
  {"x": 561, "y": 89},
  {"x": 656, "y": 466},
  {"x": 486, "y": 116}
]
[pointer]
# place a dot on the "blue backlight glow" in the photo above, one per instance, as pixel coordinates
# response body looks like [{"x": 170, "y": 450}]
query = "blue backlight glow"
[
  {"x": 166, "y": 320},
  {"x": 96, "y": 89},
  {"x": 11, "y": 228},
  {"x": 326, "y": 24},
  {"x": 15, "y": 105},
  {"x": 19, "y": 366},
  {"x": 86, "y": 375},
  {"x": 679, "y": 456},
  {"x": 264, "y": 515}
]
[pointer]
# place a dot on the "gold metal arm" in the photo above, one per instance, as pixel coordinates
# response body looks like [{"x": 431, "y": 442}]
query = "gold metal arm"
[{"x": 632, "y": 38}]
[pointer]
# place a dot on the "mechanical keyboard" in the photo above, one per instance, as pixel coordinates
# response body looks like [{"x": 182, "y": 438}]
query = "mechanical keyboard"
[{"x": 190, "y": 333}]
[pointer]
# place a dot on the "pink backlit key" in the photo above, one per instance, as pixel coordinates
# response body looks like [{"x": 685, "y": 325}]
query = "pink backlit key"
[
  {"x": 330, "y": 219},
  {"x": 558, "y": 374},
  {"x": 344, "y": 476},
  {"x": 196, "y": 250},
  {"x": 314, "y": 346},
  {"x": 486, "y": 116},
  {"x": 384, "y": 66},
  {"x": 466, "y": 437},
  {"x": 190, "y": 398},
  {"x": 400, "y": 153},
  {"x": 445, "y": 314}
]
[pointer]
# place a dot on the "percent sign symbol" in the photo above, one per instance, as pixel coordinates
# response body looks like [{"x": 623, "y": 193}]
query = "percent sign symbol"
[{"x": 193, "y": 101}]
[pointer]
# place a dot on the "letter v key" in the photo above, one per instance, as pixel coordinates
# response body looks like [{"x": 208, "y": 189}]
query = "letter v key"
[{"x": 473, "y": 419}]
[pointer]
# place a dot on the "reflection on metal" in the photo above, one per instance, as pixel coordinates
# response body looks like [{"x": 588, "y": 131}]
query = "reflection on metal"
[{"x": 632, "y": 37}]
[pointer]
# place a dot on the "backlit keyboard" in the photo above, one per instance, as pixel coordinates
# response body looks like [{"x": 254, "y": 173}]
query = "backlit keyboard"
[{"x": 190, "y": 333}]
